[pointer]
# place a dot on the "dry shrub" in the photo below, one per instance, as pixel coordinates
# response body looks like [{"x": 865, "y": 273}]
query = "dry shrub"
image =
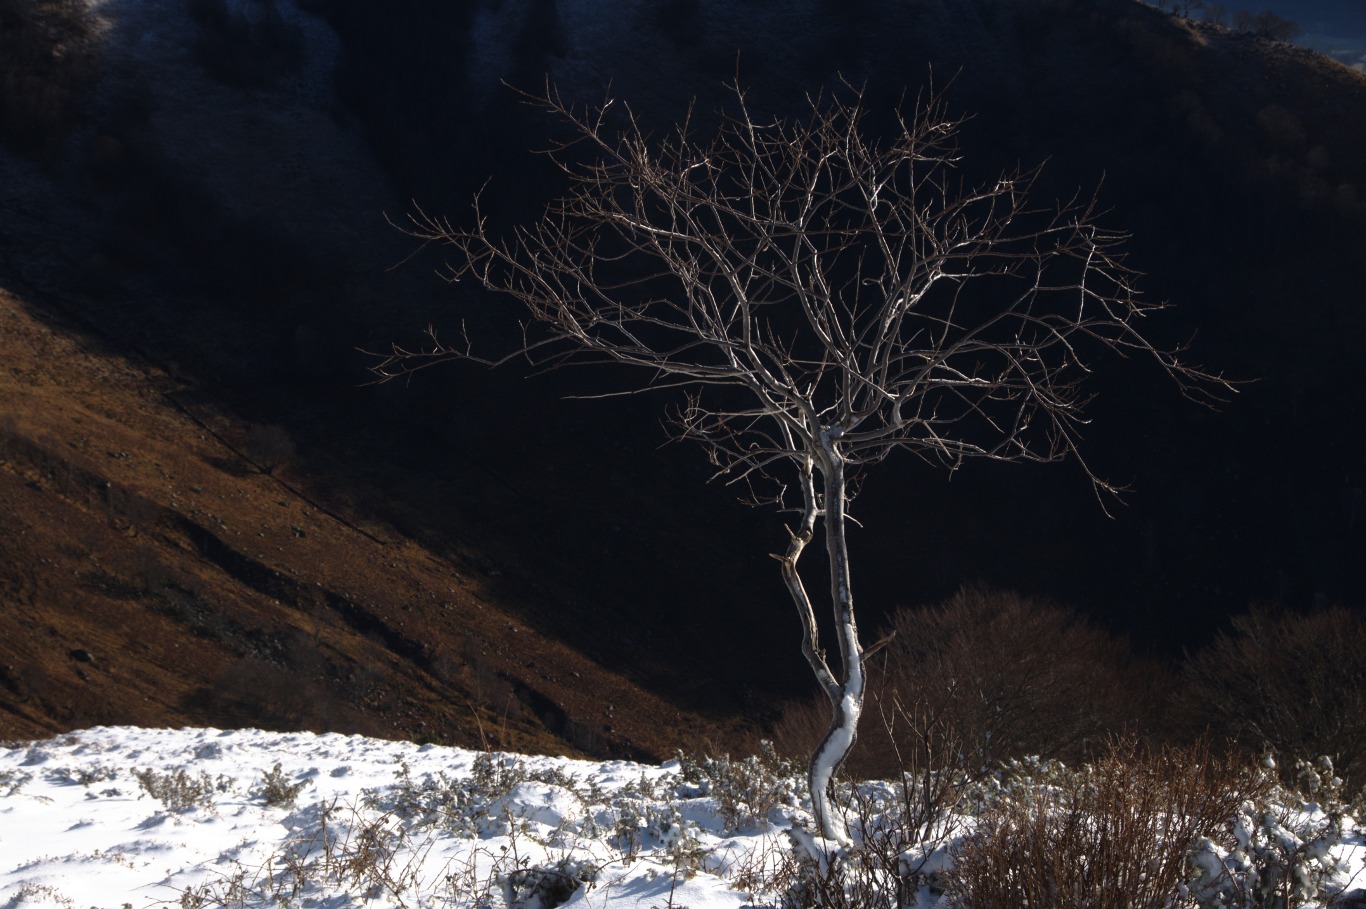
[
  {"x": 857, "y": 881},
  {"x": 796, "y": 733},
  {"x": 900, "y": 825},
  {"x": 49, "y": 55},
  {"x": 986, "y": 676},
  {"x": 1266, "y": 24},
  {"x": 962, "y": 688},
  {"x": 1293, "y": 684},
  {"x": 1113, "y": 836},
  {"x": 1281, "y": 129},
  {"x": 269, "y": 446}
]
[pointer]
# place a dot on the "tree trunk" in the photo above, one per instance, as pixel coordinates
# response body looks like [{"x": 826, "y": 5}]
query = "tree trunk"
[{"x": 848, "y": 705}]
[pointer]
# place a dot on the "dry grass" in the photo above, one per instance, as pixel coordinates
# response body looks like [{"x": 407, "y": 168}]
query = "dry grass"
[{"x": 1113, "y": 836}]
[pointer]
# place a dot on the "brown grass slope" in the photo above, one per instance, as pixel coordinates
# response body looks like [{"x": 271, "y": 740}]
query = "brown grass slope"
[{"x": 151, "y": 573}]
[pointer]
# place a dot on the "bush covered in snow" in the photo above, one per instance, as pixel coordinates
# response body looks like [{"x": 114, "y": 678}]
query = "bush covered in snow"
[{"x": 84, "y": 822}]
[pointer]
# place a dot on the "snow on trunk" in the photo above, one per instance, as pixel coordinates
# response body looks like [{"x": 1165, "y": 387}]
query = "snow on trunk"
[{"x": 848, "y": 706}]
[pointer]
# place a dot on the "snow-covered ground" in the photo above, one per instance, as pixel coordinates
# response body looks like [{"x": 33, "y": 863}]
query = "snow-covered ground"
[
  {"x": 373, "y": 823},
  {"x": 123, "y": 817}
]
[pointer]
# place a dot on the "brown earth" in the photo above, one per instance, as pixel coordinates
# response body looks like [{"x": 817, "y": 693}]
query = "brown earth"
[{"x": 152, "y": 571}]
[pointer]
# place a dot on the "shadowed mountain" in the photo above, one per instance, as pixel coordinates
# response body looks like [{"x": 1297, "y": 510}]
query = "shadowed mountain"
[{"x": 201, "y": 494}]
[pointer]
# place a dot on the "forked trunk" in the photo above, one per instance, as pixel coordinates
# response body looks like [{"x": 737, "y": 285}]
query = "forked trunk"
[{"x": 847, "y": 695}]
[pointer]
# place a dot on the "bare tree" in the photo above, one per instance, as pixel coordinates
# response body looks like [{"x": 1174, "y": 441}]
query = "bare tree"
[
  {"x": 825, "y": 298},
  {"x": 1267, "y": 24},
  {"x": 1182, "y": 8}
]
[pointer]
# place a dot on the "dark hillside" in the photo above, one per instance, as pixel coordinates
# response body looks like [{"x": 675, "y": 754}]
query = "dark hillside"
[
  {"x": 1233, "y": 160},
  {"x": 228, "y": 241},
  {"x": 165, "y": 563}
]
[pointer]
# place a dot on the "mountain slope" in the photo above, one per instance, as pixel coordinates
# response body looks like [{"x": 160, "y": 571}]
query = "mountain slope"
[
  {"x": 1233, "y": 161},
  {"x": 154, "y": 572},
  {"x": 187, "y": 282}
]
